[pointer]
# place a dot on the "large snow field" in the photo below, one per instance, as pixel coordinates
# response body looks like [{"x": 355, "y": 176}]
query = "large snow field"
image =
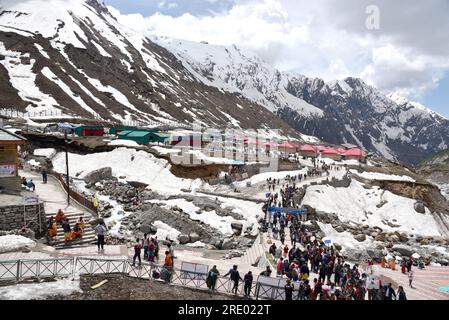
[
  {"x": 382, "y": 176},
  {"x": 40, "y": 291},
  {"x": 132, "y": 164},
  {"x": 14, "y": 242},
  {"x": 262, "y": 177},
  {"x": 358, "y": 204}
]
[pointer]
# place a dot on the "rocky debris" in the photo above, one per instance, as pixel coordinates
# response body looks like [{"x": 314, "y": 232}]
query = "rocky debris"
[
  {"x": 137, "y": 185},
  {"x": 381, "y": 204},
  {"x": 375, "y": 254},
  {"x": 403, "y": 250},
  {"x": 98, "y": 175},
  {"x": 228, "y": 243},
  {"x": 194, "y": 237},
  {"x": 339, "y": 229},
  {"x": 420, "y": 207},
  {"x": 183, "y": 239},
  {"x": 360, "y": 237},
  {"x": 233, "y": 254}
]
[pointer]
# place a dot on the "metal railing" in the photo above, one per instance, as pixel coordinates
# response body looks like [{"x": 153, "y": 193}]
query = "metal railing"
[
  {"x": 82, "y": 199},
  {"x": 21, "y": 270}
]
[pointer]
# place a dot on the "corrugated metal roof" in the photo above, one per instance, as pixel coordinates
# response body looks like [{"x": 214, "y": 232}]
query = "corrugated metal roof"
[{"x": 5, "y": 135}]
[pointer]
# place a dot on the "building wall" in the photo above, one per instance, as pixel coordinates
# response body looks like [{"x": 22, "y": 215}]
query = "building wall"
[
  {"x": 10, "y": 185},
  {"x": 12, "y": 218}
]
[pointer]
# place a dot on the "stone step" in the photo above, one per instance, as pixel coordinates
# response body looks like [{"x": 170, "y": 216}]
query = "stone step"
[{"x": 84, "y": 240}]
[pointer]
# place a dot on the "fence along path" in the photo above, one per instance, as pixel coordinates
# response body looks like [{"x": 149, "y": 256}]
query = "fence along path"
[{"x": 16, "y": 271}]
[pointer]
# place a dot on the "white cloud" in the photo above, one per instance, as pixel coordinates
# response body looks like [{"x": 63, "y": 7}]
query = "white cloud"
[{"x": 326, "y": 38}]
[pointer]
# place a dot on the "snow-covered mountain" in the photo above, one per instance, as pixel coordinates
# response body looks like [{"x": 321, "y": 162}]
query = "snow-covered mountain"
[
  {"x": 337, "y": 112},
  {"x": 73, "y": 56}
]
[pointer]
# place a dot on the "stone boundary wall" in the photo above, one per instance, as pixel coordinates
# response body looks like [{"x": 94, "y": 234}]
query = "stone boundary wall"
[{"x": 12, "y": 218}]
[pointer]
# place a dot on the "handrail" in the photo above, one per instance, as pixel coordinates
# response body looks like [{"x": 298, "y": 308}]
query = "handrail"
[{"x": 25, "y": 269}]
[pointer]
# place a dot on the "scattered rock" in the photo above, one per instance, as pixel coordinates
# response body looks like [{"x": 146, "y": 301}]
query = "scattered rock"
[
  {"x": 137, "y": 184},
  {"x": 339, "y": 229},
  {"x": 228, "y": 243},
  {"x": 420, "y": 207},
  {"x": 375, "y": 254},
  {"x": 194, "y": 237},
  {"x": 98, "y": 175},
  {"x": 403, "y": 250},
  {"x": 337, "y": 247},
  {"x": 183, "y": 239},
  {"x": 360, "y": 237}
]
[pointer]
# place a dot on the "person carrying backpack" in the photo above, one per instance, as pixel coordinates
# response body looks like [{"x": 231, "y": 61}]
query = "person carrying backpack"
[{"x": 211, "y": 279}]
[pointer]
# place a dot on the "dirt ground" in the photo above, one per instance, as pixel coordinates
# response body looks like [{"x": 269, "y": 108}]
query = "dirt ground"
[{"x": 120, "y": 287}]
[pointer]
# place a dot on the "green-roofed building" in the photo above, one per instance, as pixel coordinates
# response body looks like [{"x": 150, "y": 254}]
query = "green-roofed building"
[
  {"x": 118, "y": 129},
  {"x": 141, "y": 137},
  {"x": 158, "y": 137}
]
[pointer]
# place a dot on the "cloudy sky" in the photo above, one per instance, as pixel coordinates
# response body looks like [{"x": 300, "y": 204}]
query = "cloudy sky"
[{"x": 406, "y": 50}]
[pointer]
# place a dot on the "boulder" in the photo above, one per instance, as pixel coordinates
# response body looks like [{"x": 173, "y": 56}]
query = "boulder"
[
  {"x": 360, "y": 237},
  {"x": 403, "y": 250},
  {"x": 98, "y": 175},
  {"x": 420, "y": 207},
  {"x": 375, "y": 254},
  {"x": 339, "y": 229},
  {"x": 183, "y": 238},
  {"x": 137, "y": 184},
  {"x": 107, "y": 214},
  {"x": 442, "y": 261},
  {"x": 380, "y": 237},
  {"x": 337, "y": 247},
  {"x": 194, "y": 237},
  {"x": 147, "y": 229},
  {"x": 2, "y": 57},
  {"x": 131, "y": 193},
  {"x": 228, "y": 243},
  {"x": 237, "y": 225}
]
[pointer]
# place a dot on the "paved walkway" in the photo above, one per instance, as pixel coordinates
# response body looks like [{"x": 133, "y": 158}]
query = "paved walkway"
[{"x": 426, "y": 282}]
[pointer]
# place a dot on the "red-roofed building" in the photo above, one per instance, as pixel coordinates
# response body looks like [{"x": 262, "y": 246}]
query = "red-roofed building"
[
  {"x": 331, "y": 153},
  {"x": 287, "y": 147},
  {"x": 308, "y": 150},
  {"x": 356, "y": 154}
]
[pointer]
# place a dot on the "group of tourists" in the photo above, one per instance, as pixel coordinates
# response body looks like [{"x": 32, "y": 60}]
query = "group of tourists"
[
  {"x": 28, "y": 184},
  {"x": 69, "y": 233}
]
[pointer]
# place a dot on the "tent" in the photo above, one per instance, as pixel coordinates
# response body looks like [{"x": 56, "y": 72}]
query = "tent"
[{"x": 287, "y": 147}]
